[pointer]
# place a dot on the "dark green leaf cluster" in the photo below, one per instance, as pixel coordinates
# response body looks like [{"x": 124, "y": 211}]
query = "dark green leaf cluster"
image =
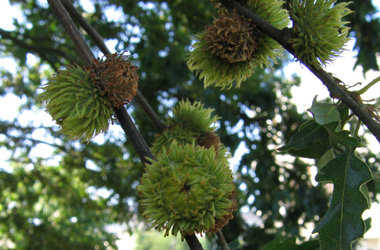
[
  {"x": 364, "y": 26},
  {"x": 324, "y": 139}
]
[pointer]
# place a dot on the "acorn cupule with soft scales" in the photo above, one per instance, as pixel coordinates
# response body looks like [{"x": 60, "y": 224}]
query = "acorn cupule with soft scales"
[
  {"x": 187, "y": 191},
  {"x": 81, "y": 100}
]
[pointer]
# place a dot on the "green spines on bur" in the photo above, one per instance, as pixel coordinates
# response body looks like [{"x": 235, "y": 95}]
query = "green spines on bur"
[
  {"x": 186, "y": 190},
  {"x": 190, "y": 123},
  {"x": 228, "y": 50},
  {"x": 76, "y": 104},
  {"x": 319, "y": 31},
  {"x": 81, "y": 100},
  {"x": 193, "y": 116}
]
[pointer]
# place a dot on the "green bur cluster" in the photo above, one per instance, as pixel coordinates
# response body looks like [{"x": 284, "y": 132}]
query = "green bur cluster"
[
  {"x": 227, "y": 51},
  {"x": 186, "y": 190},
  {"x": 319, "y": 31},
  {"x": 187, "y": 126},
  {"x": 76, "y": 104}
]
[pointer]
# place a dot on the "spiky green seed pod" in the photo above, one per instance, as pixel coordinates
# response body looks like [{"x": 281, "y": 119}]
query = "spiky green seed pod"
[
  {"x": 319, "y": 31},
  {"x": 272, "y": 11},
  {"x": 186, "y": 190},
  {"x": 193, "y": 116},
  {"x": 76, "y": 104},
  {"x": 229, "y": 49},
  {"x": 187, "y": 125},
  {"x": 181, "y": 135},
  {"x": 81, "y": 100}
]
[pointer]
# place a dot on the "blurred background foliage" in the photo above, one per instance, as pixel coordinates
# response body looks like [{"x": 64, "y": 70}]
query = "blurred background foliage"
[{"x": 66, "y": 200}]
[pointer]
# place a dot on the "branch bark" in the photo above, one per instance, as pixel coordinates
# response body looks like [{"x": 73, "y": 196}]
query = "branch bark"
[
  {"x": 193, "y": 242},
  {"x": 335, "y": 88},
  {"x": 125, "y": 120}
]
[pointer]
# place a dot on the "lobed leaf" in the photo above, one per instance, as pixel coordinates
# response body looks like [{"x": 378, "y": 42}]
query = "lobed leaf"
[
  {"x": 341, "y": 138},
  {"x": 324, "y": 113},
  {"x": 343, "y": 221},
  {"x": 311, "y": 141}
]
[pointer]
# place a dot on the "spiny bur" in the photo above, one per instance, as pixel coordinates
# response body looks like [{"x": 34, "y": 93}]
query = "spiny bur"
[
  {"x": 82, "y": 100},
  {"x": 229, "y": 49},
  {"x": 187, "y": 191},
  {"x": 319, "y": 32}
]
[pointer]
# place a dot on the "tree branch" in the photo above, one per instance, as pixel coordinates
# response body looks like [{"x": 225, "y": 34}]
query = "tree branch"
[
  {"x": 335, "y": 88},
  {"x": 85, "y": 53},
  {"x": 125, "y": 120},
  {"x": 134, "y": 135},
  {"x": 98, "y": 40},
  {"x": 80, "y": 44},
  {"x": 193, "y": 242}
]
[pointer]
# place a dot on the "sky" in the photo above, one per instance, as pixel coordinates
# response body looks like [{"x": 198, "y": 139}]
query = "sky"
[{"x": 342, "y": 68}]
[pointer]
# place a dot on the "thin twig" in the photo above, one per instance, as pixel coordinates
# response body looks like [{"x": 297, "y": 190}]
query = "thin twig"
[
  {"x": 125, "y": 120},
  {"x": 156, "y": 121},
  {"x": 75, "y": 36},
  {"x": 98, "y": 40},
  {"x": 134, "y": 136},
  {"x": 23, "y": 139},
  {"x": 368, "y": 86},
  {"x": 336, "y": 90},
  {"x": 222, "y": 241}
]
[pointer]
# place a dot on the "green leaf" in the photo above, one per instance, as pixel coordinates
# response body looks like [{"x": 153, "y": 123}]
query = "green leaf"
[
  {"x": 325, "y": 158},
  {"x": 311, "y": 141},
  {"x": 341, "y": 138},
  {"x": 343, "y": 223},
  {"x": 344, "y": 113},
  {"x": 324, "y": 113},
  {"x": 368, "y": 224},
  {"x": 290, "y": 244}
]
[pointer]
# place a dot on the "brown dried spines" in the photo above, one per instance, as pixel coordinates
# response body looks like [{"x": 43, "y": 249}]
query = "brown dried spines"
[
  {"x": 231, "y": 37},
  {"x": 116, "y": 77},
  {"x": 221, "y": 222}
]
